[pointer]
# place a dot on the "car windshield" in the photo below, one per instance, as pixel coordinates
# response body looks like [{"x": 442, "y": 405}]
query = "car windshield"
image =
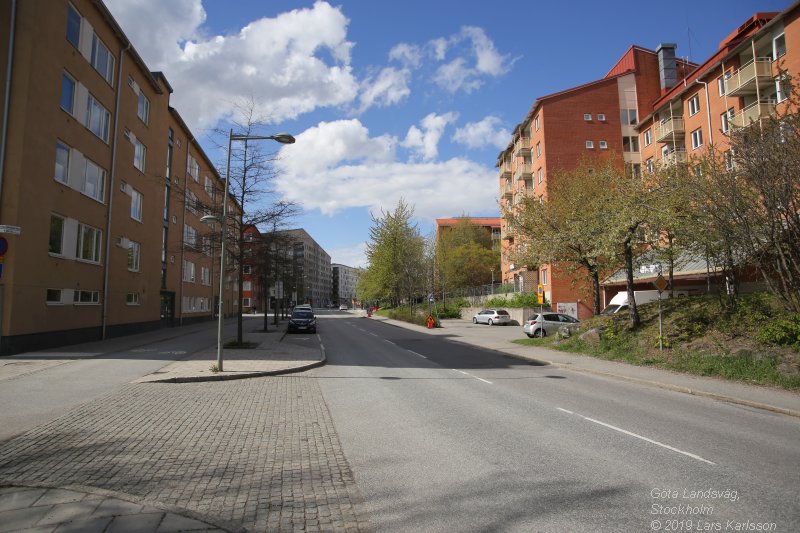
[{"x": 302, "y": 313}]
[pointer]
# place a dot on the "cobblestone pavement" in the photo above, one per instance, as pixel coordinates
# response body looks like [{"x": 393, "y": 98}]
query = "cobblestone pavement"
[{"x": 260, "y": 453}]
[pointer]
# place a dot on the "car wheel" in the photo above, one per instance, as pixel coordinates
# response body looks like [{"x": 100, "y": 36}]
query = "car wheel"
[
  {"x": 529, "y": 335},
  {"x": 490, "y": 322},
  {"x": 474, "y": 320},
  {"x": 539, "y": 333}
]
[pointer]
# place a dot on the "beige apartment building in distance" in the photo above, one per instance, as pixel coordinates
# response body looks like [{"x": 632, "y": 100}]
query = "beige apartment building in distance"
[{"x": 101, "y": 185}]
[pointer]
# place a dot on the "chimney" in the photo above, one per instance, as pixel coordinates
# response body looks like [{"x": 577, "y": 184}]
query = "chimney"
[{"x": 667, "y": 69}]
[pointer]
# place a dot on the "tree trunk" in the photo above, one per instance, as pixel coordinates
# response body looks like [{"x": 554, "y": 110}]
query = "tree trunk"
[
  {"x": 633, "y": 312},
  {"x": 596, "y": 291}
]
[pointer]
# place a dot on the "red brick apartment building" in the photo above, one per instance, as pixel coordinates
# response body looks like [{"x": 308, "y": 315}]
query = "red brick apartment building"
[
  {"x": 102, "y": 185},
  {"x": 653, "y": 109},
  {"x": 560, "y": 130},
  {"x": 490, "y": 224}
]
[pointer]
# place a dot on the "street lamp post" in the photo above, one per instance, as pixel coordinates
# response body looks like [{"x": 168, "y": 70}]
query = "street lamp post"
[{"x": 283, "y": 138}]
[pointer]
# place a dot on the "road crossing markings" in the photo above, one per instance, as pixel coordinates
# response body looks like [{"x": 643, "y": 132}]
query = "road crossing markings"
[
  {"x": 474, "y": 377},
  {"x": 629, "y": 433}
]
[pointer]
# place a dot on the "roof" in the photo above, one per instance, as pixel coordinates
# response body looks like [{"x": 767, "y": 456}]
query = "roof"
[
  {"x": 478, "y": 221},
  {"x": 646, "y": 267}
]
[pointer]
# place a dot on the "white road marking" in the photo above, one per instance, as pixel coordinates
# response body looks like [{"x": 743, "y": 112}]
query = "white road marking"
[
  {"x": 651, "y": 441},
  {"x": 474, "y": 377},
  {"x": 417, "y": 354}
]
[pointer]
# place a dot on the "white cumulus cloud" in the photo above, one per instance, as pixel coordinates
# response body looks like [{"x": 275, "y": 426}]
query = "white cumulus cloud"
[
  {"x": 424, "y": 141},
  {"x": 482, "y": 133},
  {"x": 353, "y": 175},
  {"x": 294, "y": 63}
]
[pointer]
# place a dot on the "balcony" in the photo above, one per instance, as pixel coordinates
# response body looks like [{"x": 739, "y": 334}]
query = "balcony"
[
  {"x": 505, "y": 170},
  {"x": 753, "y": 113},
  {"x": 522, "y": 148},
  {"x": 507, "y": 191},
  {"x": 674, "y": 157},
  {"x": 523, "y": 172},
  {"x": 670, "y": 127},
  {"x": 752, "y": 76}
]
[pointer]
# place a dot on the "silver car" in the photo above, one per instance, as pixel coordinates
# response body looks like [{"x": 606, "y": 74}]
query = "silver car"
[
  {"x": 492, "y": 317},
  {"x": 543, "y": 324}
]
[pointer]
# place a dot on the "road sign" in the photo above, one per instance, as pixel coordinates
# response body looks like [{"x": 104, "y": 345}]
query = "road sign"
[
  {"x": 11, "y": 230},
  {"x": 540, "y": 293},
  {"x": 661, "y": 283},
  {"x": 3, "y": 246}
]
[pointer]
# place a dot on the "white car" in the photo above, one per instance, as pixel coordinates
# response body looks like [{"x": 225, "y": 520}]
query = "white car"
[
  {"x": 343, "y": 307},
  {"x": 544, "y": 324},
  {"x": 492, "y": 317}
]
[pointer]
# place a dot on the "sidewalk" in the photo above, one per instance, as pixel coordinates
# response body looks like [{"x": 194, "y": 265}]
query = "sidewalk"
[
  {"x": 57, "y": 508},
  {"x": 760, "y": 397}
]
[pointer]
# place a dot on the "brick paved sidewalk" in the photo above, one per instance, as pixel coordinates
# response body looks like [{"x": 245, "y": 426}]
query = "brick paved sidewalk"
[{"x": 261, "y": 453}]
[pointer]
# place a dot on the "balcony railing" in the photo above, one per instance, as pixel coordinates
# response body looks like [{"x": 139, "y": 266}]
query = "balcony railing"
[
  {"x": 522, "y": 148},
  {"x": 507, "y": 191},
  {"x": 750, "y": 77},
  {"x": 674, "y": 157},
  {"x": 672, "y": 126},
  {"x": 505, "y": 170},
  {"x": 753, "y": 113},
  {"x": 524, "y": 172}
]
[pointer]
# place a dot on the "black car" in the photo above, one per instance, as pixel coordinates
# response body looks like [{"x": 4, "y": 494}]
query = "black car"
[{"x": 303, "y": 320}]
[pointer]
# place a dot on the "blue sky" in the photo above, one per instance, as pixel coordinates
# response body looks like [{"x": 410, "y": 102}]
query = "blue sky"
[{"x": 406, "y": 99}]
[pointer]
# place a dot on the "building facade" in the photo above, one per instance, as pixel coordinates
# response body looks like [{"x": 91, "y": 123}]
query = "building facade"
[
  {"x": 95, "y": 230},
  {"x": 345, "y": 284},
  {"x": 311, "y": 277}
]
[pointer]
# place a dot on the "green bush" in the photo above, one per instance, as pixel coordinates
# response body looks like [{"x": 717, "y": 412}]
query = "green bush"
[
  {"x": 448, "y": 311},
  {"x": 519, "y": 300},
  {"x": 781, "y": 332}
]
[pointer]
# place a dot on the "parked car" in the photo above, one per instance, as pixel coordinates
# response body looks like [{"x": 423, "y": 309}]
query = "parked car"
[
  {"x": 492, "y": 317},
  {"x": 343, "y": 307},
  {"x": 543, "y": 324},
  {"x": 302, "y": 319}
]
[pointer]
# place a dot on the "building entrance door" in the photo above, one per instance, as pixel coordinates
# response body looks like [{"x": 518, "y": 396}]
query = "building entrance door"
[{"x": 167, "y": 309}]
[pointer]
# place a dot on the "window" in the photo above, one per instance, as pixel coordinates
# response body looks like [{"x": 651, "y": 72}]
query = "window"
[
  {"x": 536, "y": 123},
  {"x": 188, "y": 271},
  {"x": 649, "y": 165},
  {"x": 721, "y": 85},
  {"x": 538, "y": 149},
  {"x": 694, "y": 105},
  {"x": 132, "y": 298},
  {"x": 544, "y": 277},
  {"x": 191, "y": 202},
  {"x": 139, "y": 154},
  {"x": 587, "y": 117},
  {"x": 601, "y": 117},
  {"x": 779, "y": 46},
  {"x": 98, "y": 118},
  {"x": 62, "y": 162},
  {"x": 728, "y": 156},
  {"x": 697, "y": 138},
  {"x": 209, "y": 186},
  {"x": 136, "y": 205},
  {"x": 134, "y": 254},
  {"x": 247, "y": 269},
  {"x": 603, "y": 145},
  {"x": 67, "y": 93},
  {"x": 207, "y": 249},
  {"x": 102, "y": 60},
  {"x": 205, "y": 275},
  {"x": 539, "y": 175},
  {"x": 589, "y": 144},
  {"x": 781, "y": 88},
  {"x": 194, "y": 169},
  {"x": 648, "y": 137},
  {"x": 143, "y": 108},
  {"x": 56, "y": 245},
  {"x": 94, "y": 181},
  {"x": 73, "y": 26},
  {"x": 53, "y": 296},
  {"x": 189, "y": 236},
  {"x": 245, "y": 302},
  {"x": 725, "y": 119},
  {"x": 170, "y": 138},
  {"x": 636, "y": 169},
  {"x": 628, "y": 117},
  {"x": 86, "y": 297},
  {"x": 630, "y": 144},
  {"x": 88, "y": 245},
  {"x": 247, "y": 285}
]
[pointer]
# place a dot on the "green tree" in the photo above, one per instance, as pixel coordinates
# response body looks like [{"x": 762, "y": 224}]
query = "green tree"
[
  {"x": 465, "y": 256},
  {"x": 395, "y": 256}
]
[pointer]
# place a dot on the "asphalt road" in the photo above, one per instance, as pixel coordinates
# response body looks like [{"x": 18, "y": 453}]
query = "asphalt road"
[{"x": 443, "y": 436}]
